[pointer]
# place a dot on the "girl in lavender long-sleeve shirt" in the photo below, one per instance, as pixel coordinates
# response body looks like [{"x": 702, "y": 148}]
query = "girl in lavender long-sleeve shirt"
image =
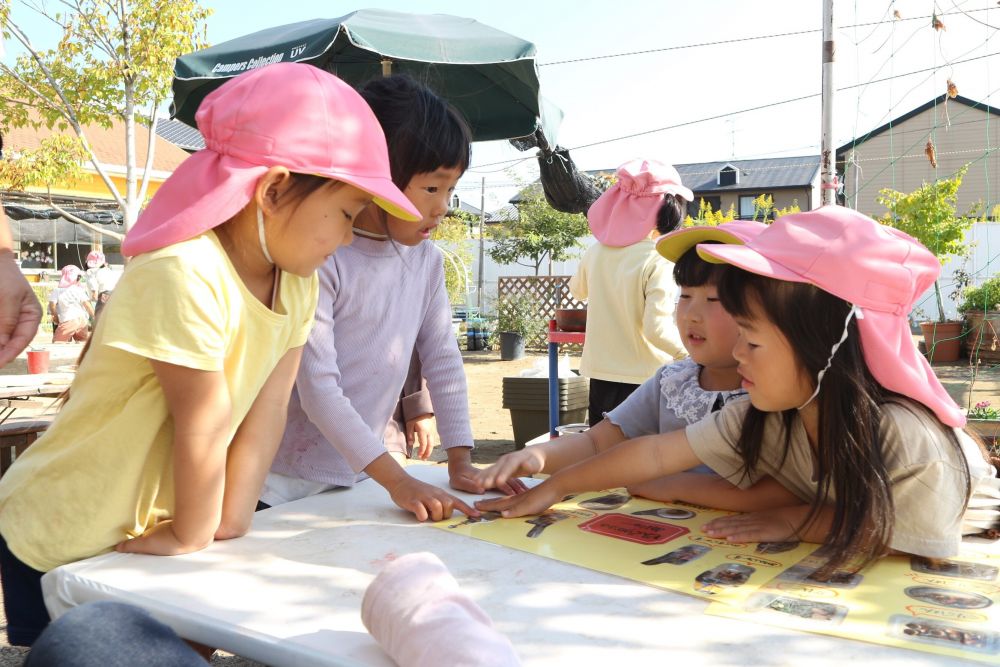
[{"x": 380, "y": 299}]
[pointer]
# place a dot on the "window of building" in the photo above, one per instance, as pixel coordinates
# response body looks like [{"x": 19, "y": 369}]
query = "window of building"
[
  {"x": 728, "y": 175},
  {"x": 749, "y": 209}
]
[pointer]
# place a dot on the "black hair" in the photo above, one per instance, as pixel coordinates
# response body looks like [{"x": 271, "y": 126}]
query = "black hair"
[
  {"x": 423, "y": 132},
  {"x": 848, "y": 457},
  {"x": 670, "y": 214},
  {"x": 691, "y": 270}
]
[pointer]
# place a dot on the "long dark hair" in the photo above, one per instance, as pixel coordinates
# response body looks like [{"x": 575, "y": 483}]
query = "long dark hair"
[
  {"x": 423, "y": 132},
  {"x": 848, "y": 457},
  {"x": 690, "y": 270}
]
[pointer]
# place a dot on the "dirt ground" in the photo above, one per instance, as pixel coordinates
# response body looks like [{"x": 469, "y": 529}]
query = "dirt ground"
[{"x": 494, "y": 435}]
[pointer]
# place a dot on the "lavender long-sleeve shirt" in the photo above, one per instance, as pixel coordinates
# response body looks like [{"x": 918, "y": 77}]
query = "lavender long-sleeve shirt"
[{"x": 376, "y": 302}]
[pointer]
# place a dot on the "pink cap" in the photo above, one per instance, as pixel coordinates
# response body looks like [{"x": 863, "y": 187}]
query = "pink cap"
[
  {"x": 287, "y": 114},
  {"x": 626, "y": 213},
  {"x": 95, "y": 259},
  {"x": 879, "y": 269},
  {"x": 70, "y": 275},
  {"x": 678, "y": 242}
]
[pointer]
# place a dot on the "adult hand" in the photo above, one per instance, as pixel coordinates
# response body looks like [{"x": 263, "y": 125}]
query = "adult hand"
[
  {"x": 777, "y": 525},
  {"x": 532, "y": 501},
  {"x": 419, "y": 436},
  {"x": 503, "y": 474},
  {"x": 427, "y": 501},
  {"x": 20, "y": 311},
  {"x": 160, "y": 540}
]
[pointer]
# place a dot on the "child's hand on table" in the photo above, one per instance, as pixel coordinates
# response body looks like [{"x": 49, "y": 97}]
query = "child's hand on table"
[
  {"x": 503, "y": 474},
  {"x": 160, "y": 540},
  {"x": 426, "y": 501},
  {"x": 530, "y": 502},
  {"x": 776, "y": 525}
]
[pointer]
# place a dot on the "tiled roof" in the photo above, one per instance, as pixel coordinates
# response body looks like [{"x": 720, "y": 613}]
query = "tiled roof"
[
  {"x": 765, "y": 174},
  {"x": 180, "y": 134},
  {"x": 108, "y": 144}
]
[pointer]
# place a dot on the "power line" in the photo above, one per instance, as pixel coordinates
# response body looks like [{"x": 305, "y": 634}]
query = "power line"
[{"x": 747, "y": 39}]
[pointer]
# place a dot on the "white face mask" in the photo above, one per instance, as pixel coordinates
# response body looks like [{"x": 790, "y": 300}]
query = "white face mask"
[
  {"x": 260, "y": 235},
  {"x": 855, "y": 311}
]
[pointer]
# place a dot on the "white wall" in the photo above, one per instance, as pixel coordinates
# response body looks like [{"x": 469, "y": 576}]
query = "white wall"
[{"x": 984, "y": 263}]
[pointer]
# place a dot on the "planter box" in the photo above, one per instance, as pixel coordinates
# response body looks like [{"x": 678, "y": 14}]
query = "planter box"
[
  {"x": 987, "y": 429},
  {"x": 528, "y": 402},
  {"x": 943, "y": 340},
  {"x": 983, "y": 340}
]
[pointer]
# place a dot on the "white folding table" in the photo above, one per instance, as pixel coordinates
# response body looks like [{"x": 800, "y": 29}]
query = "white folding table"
[{"x": 289, "y": 594}]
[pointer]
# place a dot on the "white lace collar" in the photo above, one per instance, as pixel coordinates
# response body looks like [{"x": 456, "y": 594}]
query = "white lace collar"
[{"x": 682, "y": 393}]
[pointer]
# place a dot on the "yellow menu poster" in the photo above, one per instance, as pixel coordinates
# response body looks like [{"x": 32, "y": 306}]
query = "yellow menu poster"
[
  {"x": 947, "y": 607},
  {"x": 642, "y": 540}
]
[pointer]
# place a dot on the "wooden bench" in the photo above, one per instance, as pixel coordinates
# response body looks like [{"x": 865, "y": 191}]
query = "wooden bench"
[{"x": 15, "y": 437}]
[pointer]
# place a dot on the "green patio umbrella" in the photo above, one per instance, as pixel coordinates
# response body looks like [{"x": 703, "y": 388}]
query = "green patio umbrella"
[{"x": 490, "y": 76}]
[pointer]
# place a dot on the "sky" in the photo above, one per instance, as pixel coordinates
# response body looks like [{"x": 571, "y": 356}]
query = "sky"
[{"x": 770, "y": 52}]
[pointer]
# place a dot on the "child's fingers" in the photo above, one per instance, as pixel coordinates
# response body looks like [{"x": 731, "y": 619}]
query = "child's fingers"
[
  {"x": 494, "y": 504},
  {"x": 464, "y": 508}
]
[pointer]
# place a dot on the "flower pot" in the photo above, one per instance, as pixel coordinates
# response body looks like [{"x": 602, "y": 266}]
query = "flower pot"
[
  {"x": 983, "y": 340},
  {"x": 943, "y": 340},
  {"x": 511, "y": 346},
  {"x": 571, "y": 319}
]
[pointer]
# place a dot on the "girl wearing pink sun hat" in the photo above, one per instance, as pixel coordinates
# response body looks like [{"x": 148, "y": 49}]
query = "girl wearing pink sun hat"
[
  {"x": 627, "y": 285},
  {"x": 842, "y": 410},
  {"x": 179, "y": 405}
]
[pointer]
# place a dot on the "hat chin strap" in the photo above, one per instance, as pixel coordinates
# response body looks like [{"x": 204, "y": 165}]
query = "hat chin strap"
[
  {"x": 260, "y": 235},
  {"x": 855, "y": 311}
]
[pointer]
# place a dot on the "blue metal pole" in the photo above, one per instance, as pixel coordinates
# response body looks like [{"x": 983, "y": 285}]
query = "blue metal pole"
[{"x": 553, "y": 382}]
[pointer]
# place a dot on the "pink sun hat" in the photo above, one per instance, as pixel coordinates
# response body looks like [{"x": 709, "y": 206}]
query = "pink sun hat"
[
  {"x": 70, "y": 275},
  {"x": 678, "y": 242},
  {"x": 878, "y": 269},
  {"x": 95, "y": 259},
  {"x": 287, "y": 114},
  {"x": 626, "y": 213}
]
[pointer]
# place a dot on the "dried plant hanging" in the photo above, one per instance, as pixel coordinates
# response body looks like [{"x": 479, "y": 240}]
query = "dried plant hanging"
[
  {"x": 896, "y": 15},
  {"x": 929, "y": 152},
  {"x": 936, "y": 23},
  {"x": 952, "y": 89}
]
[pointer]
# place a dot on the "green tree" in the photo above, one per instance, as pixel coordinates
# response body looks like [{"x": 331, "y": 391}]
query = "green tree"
[
  {"x": 451, "y": 236},
  {"x": 114, "y": 61},
  {"x": 540, "y": 232},
  {"x": 928, "y": 215}
]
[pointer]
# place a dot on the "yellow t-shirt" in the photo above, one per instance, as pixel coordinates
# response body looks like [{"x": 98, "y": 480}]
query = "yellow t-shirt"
[{"x": 103, "y": 471}]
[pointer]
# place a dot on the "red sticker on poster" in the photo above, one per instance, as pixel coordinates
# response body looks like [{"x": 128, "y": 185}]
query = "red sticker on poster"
[{"x": 633, "y": 529}]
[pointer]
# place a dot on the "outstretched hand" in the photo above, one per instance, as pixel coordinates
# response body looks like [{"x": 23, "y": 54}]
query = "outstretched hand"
[
  {"x": 427, "y": 501},
  {"x": 532, "y": 501},
  {"x": 503, "y": 475}
]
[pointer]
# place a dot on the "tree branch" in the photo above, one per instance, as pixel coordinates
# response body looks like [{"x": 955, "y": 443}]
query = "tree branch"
[
  {"x": 74, "y": 219},
  {"x": 150, "y": 149}
]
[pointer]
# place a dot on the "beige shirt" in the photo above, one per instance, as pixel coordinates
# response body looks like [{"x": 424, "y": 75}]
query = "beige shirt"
[
  {"x": 631, "y": 296},
  {"x": 925, "y": 470}
]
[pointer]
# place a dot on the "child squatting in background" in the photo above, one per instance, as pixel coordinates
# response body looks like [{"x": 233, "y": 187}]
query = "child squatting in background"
[
  {"x": 180, "y": 402},
  {"x": 842, "y": 410}
]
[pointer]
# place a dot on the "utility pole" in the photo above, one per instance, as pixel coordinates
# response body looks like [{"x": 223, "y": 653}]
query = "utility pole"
[
  {"x": 827, "y": 165},
  {"x": 482, "y": 225}
]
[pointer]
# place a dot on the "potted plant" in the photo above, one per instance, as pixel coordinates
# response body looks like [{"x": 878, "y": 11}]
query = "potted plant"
[
  {"x": 984, "y": 420},
  {"x": 981, "y": 306},
  {"x": 928, "y": 215},
  {"x": 516, "y": 321}
]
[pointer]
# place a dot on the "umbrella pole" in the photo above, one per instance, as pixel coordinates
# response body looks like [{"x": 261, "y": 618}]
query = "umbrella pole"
[{"x": 386, "y": 67}]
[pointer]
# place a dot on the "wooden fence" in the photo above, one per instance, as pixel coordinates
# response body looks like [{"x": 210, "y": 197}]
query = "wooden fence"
[{"x": 546, "y": 293}]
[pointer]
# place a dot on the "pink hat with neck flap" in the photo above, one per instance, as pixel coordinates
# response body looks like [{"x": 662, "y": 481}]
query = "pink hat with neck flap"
[
  {"x": 879, "y": 270},
  {"x": 284, "y": 115},
  {"x": 626, "y": 213}
]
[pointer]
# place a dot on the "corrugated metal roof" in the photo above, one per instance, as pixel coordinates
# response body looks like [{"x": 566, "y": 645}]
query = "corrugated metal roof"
[
  {"x": 180, "y": 134},
  {"x": 764, "y": 174}
]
